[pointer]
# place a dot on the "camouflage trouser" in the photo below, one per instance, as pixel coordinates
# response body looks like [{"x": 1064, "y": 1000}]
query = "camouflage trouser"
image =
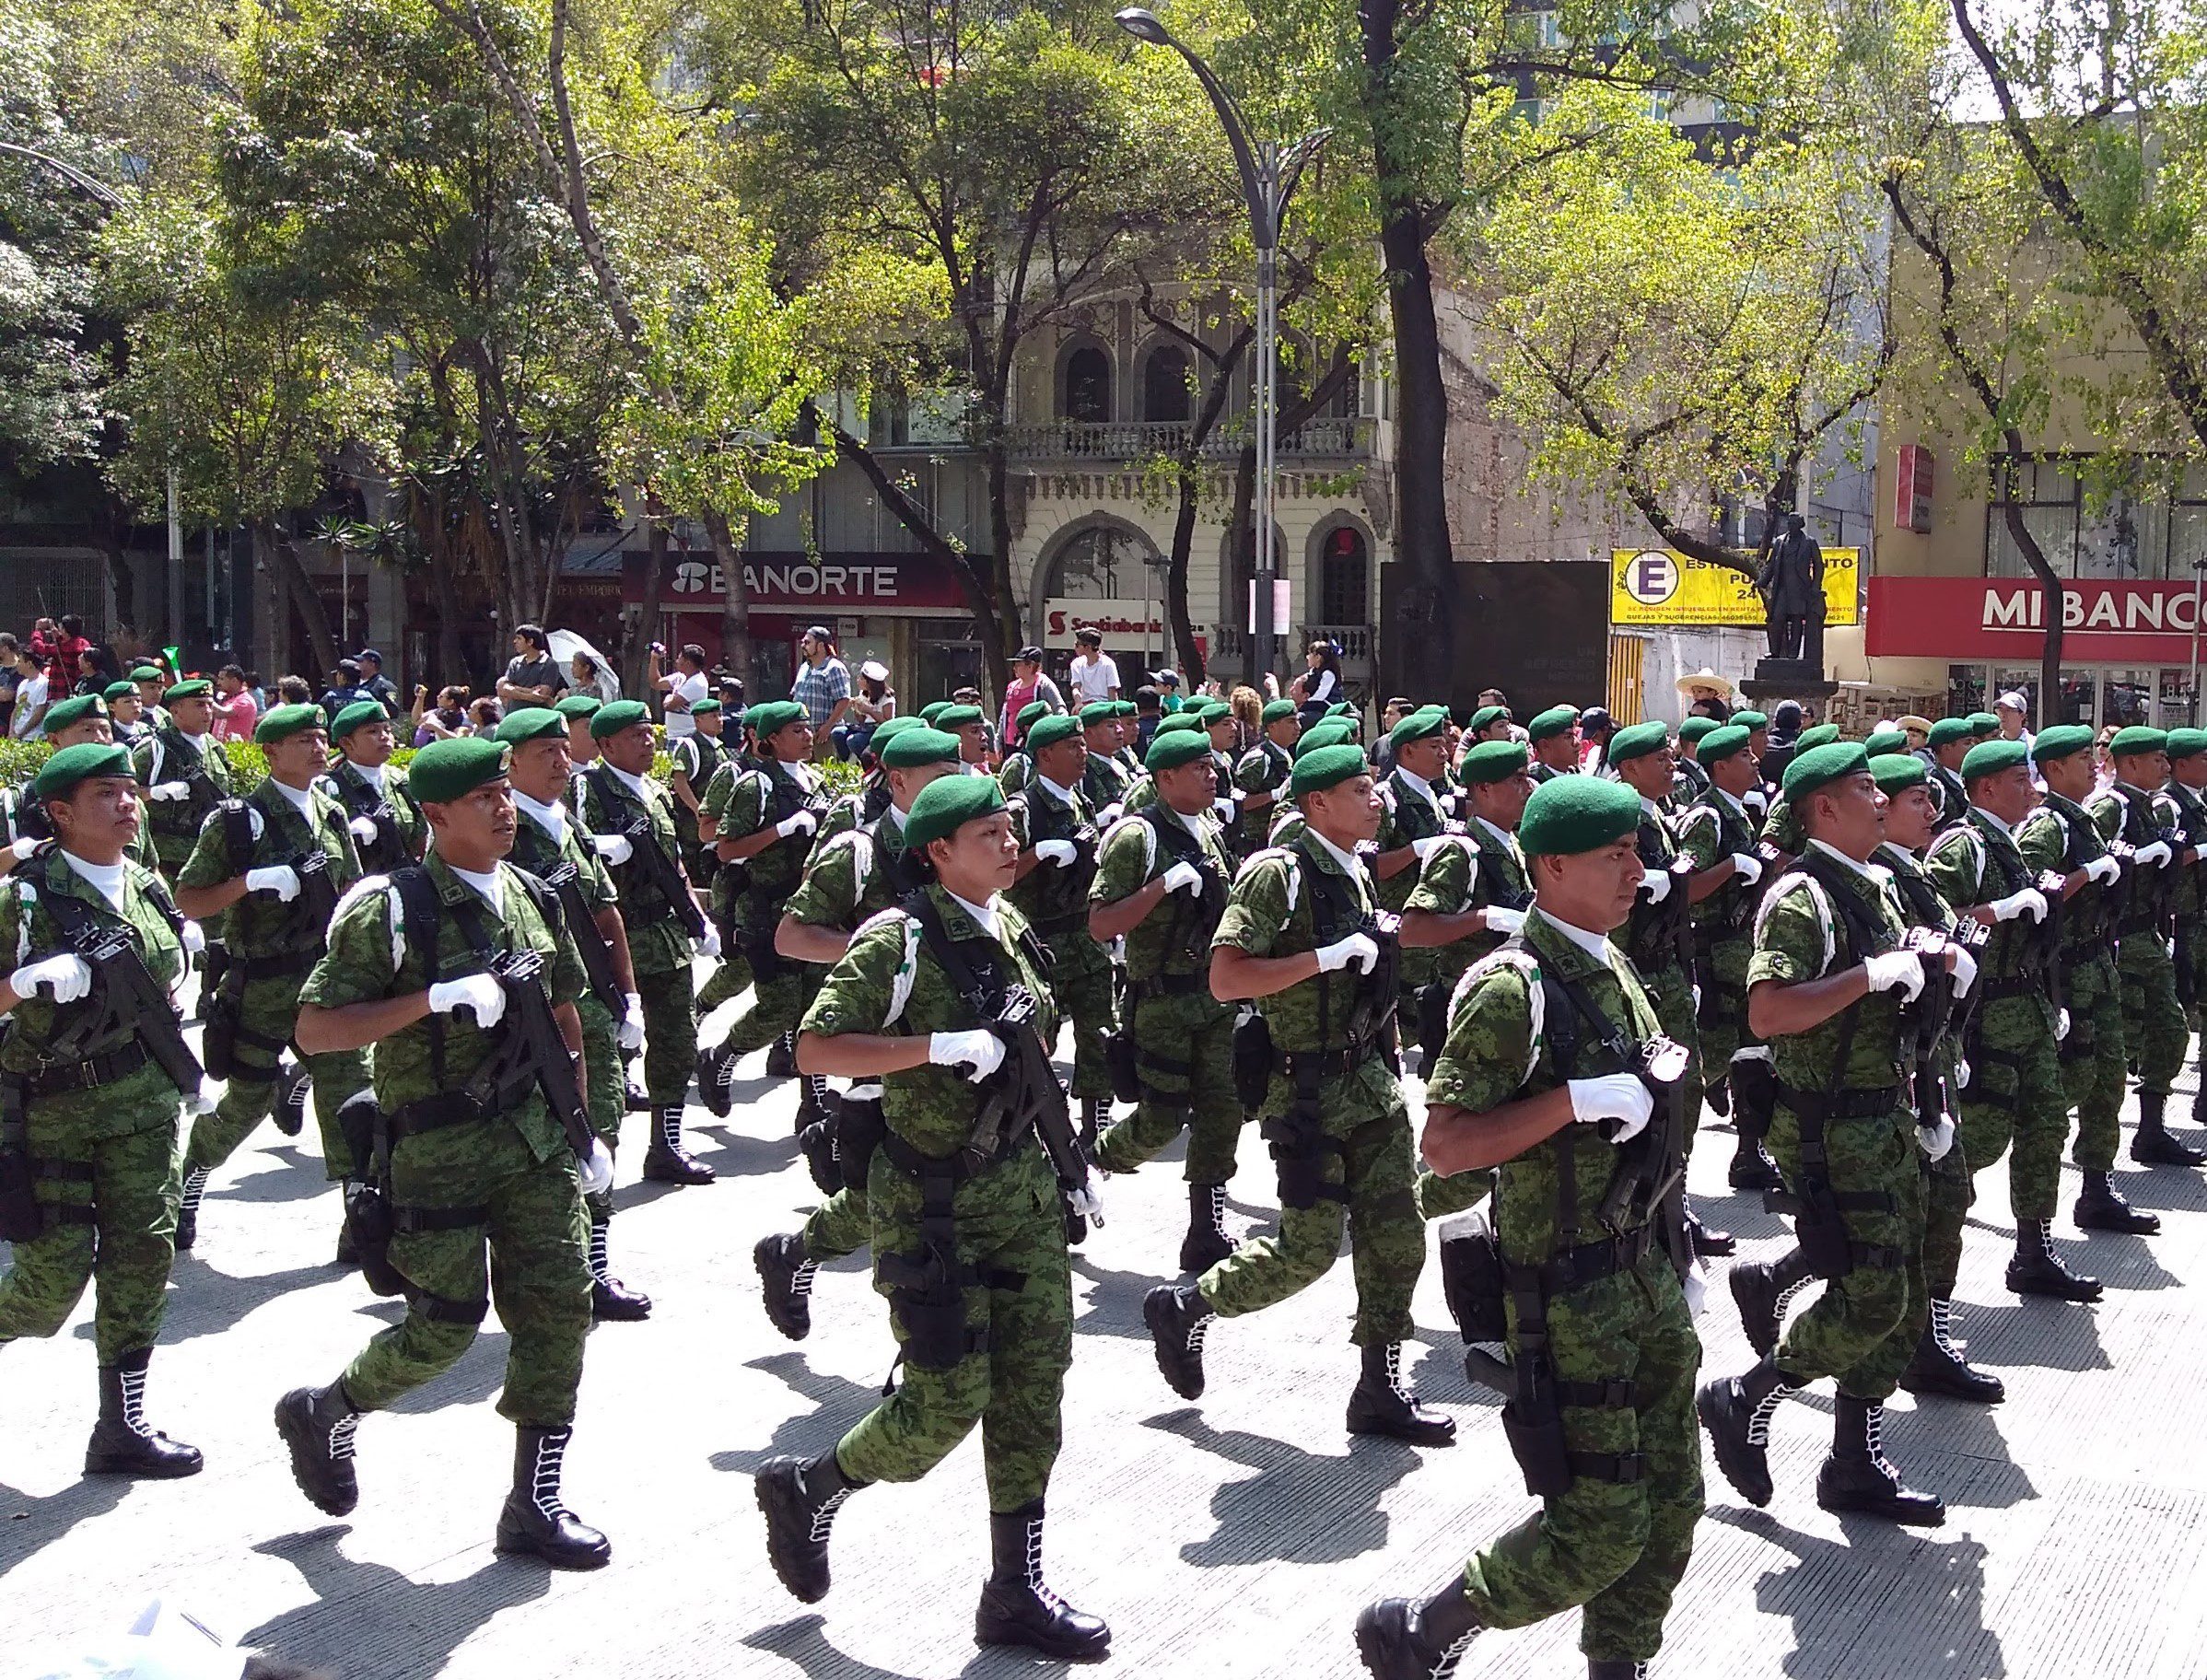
[
  {"x": 2016, "y": 1097},
  {"x": 839, "y": 1225},
  {"x": 128, "y": 1248},
  {"x": 785, "y": 989},
  {"x": 670, "y": 1033},
  {"x": 2154, "y": 1028},
  {"x": 1184, "y": 1053},
  {"x": 728, "y": 980},
  {"x": 2095, "y": 1064},
  {"x": 1947, "y": 1193},
  {"x": 1371, "y": 1173},
  {"x": 1080, "y": 981},
  {"x": 1619, "y": 1548},
  {"x": 1010, "y": 1229},
  {"x": 605, "y": 1091},
  {"x": 1672, "y": 993},
  {"x": 270, "y": 1010},
  {"x": 1459, "y": 1192},
  {"x": 2191, "y": 956},
  {"x": 1722, "y": 1018},
  {"x": 536, "y": 1268},
  {"x": 1863, "y": 1327}
]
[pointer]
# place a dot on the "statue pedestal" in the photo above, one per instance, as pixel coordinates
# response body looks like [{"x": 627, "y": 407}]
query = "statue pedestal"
[{"x": 1787, "y": 680}]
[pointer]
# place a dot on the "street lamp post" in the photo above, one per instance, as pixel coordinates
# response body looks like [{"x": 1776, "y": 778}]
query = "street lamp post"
[{"x": 1267, "y": 177}]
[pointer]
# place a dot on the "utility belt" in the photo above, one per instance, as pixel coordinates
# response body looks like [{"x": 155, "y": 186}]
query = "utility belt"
[
  {"x": 1132, "y": 1064},
  {"x": 927, "y": 1284},
  {"x": 373, "y": 1215},
  {"x": 222, "y": 1010},
  {"x": 1167, "y": 985},
  {"x": 1298, "y": 1139},
  {"x": 24, "y": 1216},
  {"x": 1991, "y": 988},
  {"x": 1818, "y": 1210},
  {"x": 1050, "y": 927}
]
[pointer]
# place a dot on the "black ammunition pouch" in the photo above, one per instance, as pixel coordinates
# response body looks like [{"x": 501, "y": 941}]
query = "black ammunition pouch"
[
  {"x": 927, "y": 1286},
  {"x": 1252, "y": 1061},
  {"x": 1820, "y": 1225},
  {"x": 1121, "y": 1061},
  {"x": 222, "y": 1000},
  {"x": 24, "y": 1218},
  {"x": 1471, "y": 1281},
  {"x": 1533, "y": 1415},
  {"x": 1299, "y": 1141},
  {"x": 859, "y": 1130}
]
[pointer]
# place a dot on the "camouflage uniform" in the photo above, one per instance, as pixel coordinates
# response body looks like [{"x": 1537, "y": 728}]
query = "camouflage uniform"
[
  {"x": 743, "y": 798},
  {"x": 659, "y": 947},
  {"x": 698, "y": 757},
  {"x": 2184, "y": 808},
  {"x": 1104, "y": 781},
  {"x": 1054, "y": 901},
  {"x": 401, "y": 831},
  {"x": 539, "y": 851},
  {"x": 1614, "y": 1542},
  {"x": 1948, "y": 794},
  {"x": 1408, "y": 815},
  {"x": 1713, "y": 829},
  {"x": 2154, "y": 1028},
  {"x": 1268, "y": 768},
  {"x": 2061, "y": 836},
  {"x": 169, "y": 755},
  {"x": 1662, "y": 970}
]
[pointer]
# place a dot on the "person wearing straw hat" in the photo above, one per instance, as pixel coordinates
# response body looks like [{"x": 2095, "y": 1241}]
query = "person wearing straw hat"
[{"x": 1707, "y": 694}]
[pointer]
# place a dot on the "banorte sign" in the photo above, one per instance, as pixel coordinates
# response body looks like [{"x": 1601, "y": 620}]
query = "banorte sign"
[
  {"x": 809, "y": 583},
  {"x": 2103, "y": 622}
]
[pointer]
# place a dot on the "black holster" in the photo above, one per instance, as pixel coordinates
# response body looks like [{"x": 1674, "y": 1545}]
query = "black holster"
[
  {"x": 1299, "y": 1143},
  {"x": 859, "y": 1129},
  {"x": 368, "y": 1215},
  {"x": 1119, "y": 1059},
  {"x": 221, "y": 1006},
  {"x": 1471, "y": 1282},
  {"x": 1432, "y": 1021},
  {"x": 1532, "y": 1424},
  {"x": 1252, "y": 1062}
]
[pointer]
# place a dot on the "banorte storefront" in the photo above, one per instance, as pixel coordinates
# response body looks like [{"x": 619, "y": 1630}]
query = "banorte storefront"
[{"x": 2130, "y": 651}]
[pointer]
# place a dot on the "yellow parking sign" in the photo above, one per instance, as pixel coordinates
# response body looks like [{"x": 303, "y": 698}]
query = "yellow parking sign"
[{"x": 1660, "y": 586}]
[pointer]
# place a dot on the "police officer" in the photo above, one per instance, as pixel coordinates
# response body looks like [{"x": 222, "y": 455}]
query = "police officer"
[
  {"x": 387, "y": 831},
  {"x": 1826, "y": 987},
  {"x": 272, "y": 866},
  {"x": 549, "y": 843},
  {"x": 968, "y": 1238},
  {"x": 484, "y": 1199},
  {"x": 1301, "y": 938},
  {"x": 1161, "y": 885},
  {"x": 2186, "y": 798},
  {"x": 87, "y": 1136},
  {"x": 1525, "y": 1086},
  {"x": 185, "y": 773}
]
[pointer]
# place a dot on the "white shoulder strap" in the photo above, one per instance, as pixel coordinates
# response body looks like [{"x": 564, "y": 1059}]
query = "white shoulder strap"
[{"x": 1826, "y": 919}]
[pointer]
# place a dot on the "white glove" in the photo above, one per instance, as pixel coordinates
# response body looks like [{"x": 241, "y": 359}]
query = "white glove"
[
  {"x": 1183, "y": 878},
  {"x": 23, "y": 849},
  {"x": 1656, "y": 884},
  {"x": 979, "y": 1053},
  {"x": 1747, "y": 867},
  {"x": 66, "y": 978},
  {"x": 280, "y": 878},
  {"x": 201, "y": 1102},
  {"x": 1504, "y": 921},
  {"x": 1620, "y": 1098},
  {"x": 1426, "y": 847},
  {"x": 1934, "y": 1140},
  {"x": 1110, "y": 814},
  {"x": 2157, "y": 854},
  {"x": 1896, "y": 971},
  {"x": 167, "y": 792},
  {"x": 596, "y": 1169},
  {"x": 2030, "y": 901},
  {"x": 364, "y": 830},
  {"x": 709, "y": 945},
  {"x": 629, "y": 1035},
  {"x": 1961, "y": 1073},
  {"x": 1965, "y": 971},
  {"x": 195, "y": 938},
  {"x": 1225, "y": 810},
  {"x": 1088, "y": 1200},
  {"x": 479, "y": 994},
  {"x": 1357, "y": 948},
  {"x": 2106, "y": 868},
  {"x": 2061, "y": 1025},
  {"x": 798, "y": 822},
  {"x": 1058, "y": 854},
  {"x": 614, "y": 848}
]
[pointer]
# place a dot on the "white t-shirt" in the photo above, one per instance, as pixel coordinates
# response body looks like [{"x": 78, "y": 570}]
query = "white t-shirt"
[
  {"x": 30, "y": 696},
  {"x": 1094, "y": 679},
  {"x": 691, "y": 690}
]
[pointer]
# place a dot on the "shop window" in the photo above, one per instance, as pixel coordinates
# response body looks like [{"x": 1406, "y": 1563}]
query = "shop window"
[{"x": 2150, "y": 534}]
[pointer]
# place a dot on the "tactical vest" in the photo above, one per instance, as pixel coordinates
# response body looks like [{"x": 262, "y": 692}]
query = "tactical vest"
[
  {"x": 2015, "y": 948},
  {"x": 642, "y": 903},
  {"x": 2088, "y": 914},
  {"x": 1335, "y": 915},
  {"x": 388, "y": 850},
  {"x": 2142, "y": 904},
  {"x": 1191, "y": 920},
  {"x": 180, "y": 820},
  {"x": 1728, "y": 910},
  {"x": 1922, "y": 900},
  {"x": 1651, "y": 930},
  {"x": 1057, "y": 899},
  {"x": 1856, "y": 936}
]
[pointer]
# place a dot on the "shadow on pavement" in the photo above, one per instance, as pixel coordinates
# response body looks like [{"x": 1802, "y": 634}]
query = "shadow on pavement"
[
  {"x": 1300, "y": 1507},
  {"x": 837, "y": 1403},
  {"x": 802, "y": 1642},
  {"x": 29, "y": 1524}
]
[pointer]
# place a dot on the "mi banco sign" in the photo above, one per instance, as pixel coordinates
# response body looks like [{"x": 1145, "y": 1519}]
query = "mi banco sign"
[{"x": 2005, "y": 618}]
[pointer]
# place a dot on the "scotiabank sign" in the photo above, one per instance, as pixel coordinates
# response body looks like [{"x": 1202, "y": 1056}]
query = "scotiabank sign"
[
  {"x": 800, "y": 582},
  {"x": 2004, "y": 618}
]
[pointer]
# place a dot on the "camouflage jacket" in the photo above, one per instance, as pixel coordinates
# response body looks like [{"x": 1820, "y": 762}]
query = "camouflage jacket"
[
  {"x": 2131, "y": 813},
  {"x": 656, "y": 944},
  {"x": 1710, "y": 832},
  {"x": 851, "y": 876},
  {"x": 2061, "y": 836},
  {"x": 2183, "y": 808},
  {"x": 536, "y": 850},
  {"x": 869, "y": 804},
  {"x": 1273, "y": 911},
  {"x": 1974, "y": 862},
  {"x": 1948, "y": 794},
  {"x": 168, "y": 755},
  {"x": 258, "y": 925},
  {"x": 1104, "y": 781},
  {"x": 1406, "y": 815},
  {"x": 1046, "y": 894},
  {"x": 361, "y": 797},
  {"x": 1174, "y": 938},
  {"x": 748, "y": 795},
  {"x": 1799, "y": 935},
  {"x": 1641, "y": 936},
  {"x": 1482, "y": 868}
]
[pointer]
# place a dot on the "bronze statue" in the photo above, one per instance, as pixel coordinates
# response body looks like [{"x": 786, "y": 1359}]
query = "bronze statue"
[{"x": 1792, "y": 586}]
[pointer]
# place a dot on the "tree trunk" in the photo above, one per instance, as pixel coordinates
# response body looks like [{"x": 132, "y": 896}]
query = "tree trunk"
[
  {"x": 1001, "y": 635},
  {"x": 280, "y": 559},
  {"x": 1176, "y": 580},
  {"x": 2050, "y": 592},
  {"x": 735, "y": 599},
  {"x": 635, "y": 646}
]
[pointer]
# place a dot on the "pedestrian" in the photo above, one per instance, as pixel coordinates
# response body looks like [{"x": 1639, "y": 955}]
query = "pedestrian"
[
  {"x": 1029, "y": 683},
  {"x": 1319, "y": 685},
  {"x": 873, "y": 704},
  {"x": 235, "y": 713},
  {"x": 533, "y": 676},
  {"x": 31, "y": 690},
  {"x": 684, "y": 687},
  {"x": 823, "y": 685},
  {"x": 11, "y": 655},
  {"x": 448, "y": 717},
  {"x": 1093, "y": 675},
  {"x": 379, "y": 686},
  {"x": 1167, "y": 684},
  {"x": 482, "y": 715}
]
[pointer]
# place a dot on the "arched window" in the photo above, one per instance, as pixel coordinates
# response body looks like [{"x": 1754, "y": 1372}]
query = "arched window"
[
  {"x": 1344, "y": 577},
  {"x": 1165, "y": 384},
  {"x": 1088, "y": 384}
]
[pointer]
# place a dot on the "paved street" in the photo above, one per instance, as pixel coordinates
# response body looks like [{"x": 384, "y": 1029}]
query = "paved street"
[{"x": 1234, "y": 1539}]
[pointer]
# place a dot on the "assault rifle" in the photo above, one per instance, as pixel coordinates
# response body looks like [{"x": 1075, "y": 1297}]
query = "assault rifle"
[
  {"x": 126, "y": 1001},
  {"x": 530, "y": 1052},
  {"x": 1028, "y": 1088},
  {"x": 664, "y": 876},
  {"x": 566, "y": 880}
]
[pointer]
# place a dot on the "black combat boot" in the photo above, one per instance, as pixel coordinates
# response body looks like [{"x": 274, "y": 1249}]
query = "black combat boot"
[
  {"x": 2036, "y": 1269},
  {"x": 666, "y": 1159},
  {"x": 120, "y": 1444},
  {"x": 316, "y": 1424},
  {"x": 1380, "y": 1405},
  {"x": 1754, "y": 1095},
  {"x": 1859, "y": 1477},
  {"x": 1017, "y": 1605},
  {"x": 2100, "y": 1206},
  {"x": 1938, "y": 1367},
  {"x": 1206, "y": 1243},
  {"x": 2153, "y": 1145},
  {"x": 1736, "y": 1413},
  {"x": 801, "y": 1498},
  {"x": 533, "y": 1520},
  {"x": 1615, "y": 1668},
  {"x": 816, "y": 1143},
  {"x": 1762, "y": 1291},
  {"x": 786, "y": 1279},
  {"x": 291, "y": 1107},
  {"x": 187, "y": 1209},
  {"x": 811, "y": 1102},
  {"x": 716, "y": 1073},
  {"x": 1751, "y": 1167},
  {"x": 611, "y": 1299},
  {"x": 1178, "y": 1318},
  {"x": 1709, "y": 1243},
  {"x": 1409, "y": 1638},
  {"x": 1718, "y": 1095},
  {"x": 781, "y": 1056},
  {"x": 1095, "y": 1114},
  {"x": 348, "y": 1246}
]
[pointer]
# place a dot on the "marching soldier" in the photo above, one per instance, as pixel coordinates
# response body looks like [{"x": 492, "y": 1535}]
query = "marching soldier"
[
  {"x": 1531, "y": 1081},
  {"x": 1826, "y": 987},
  {"x": 1302, "y": 937},
  {"x": 696, "y": 759},
  {"x": 631, "y": 821},
  {"x": 1553, "y": 736},
  {"x": 87, "y": 1117},
  {"x": 1104, "y": 780},
  {"x": 1689, "y": 780},
  {"x": 549, "y": 843},
  {"x": 1261, "y": 777},
  {"x": 966, "y": 723},
  {"x": 2186, "y": 793},
  {"x": 582, "y": 746},
  {"x": 486, "y": 1191},
  {"x": 1413, "y": 827},
  {"x": 79, "y": 721},
  {"x": 1488, "y": 723},
  {"x": 969, "y": 1242},
  {"x": 871, "y": 798},
  {"x": 1161, "y": 885},
  {"x": 1948, "y": 745},
  {"x": 183, "y": 773},
  {"x": 272, "y": 866},
  {"x": 151, "y": 685},
  {"x": 125, "y": 712},
  {"x": 387, "y": 831}
]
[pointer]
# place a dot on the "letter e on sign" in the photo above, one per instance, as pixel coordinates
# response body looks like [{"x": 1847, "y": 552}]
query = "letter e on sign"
[{"x": 1652, "y": 576}]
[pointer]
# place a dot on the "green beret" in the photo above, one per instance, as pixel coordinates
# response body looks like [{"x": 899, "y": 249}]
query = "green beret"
[
  {"x": 1328, "y": 767},
  {"x": 1187, "y": 718},
  {"x": 2187, "y": 743},
  {"x": 58, "y": 777},
  {"x": 1216, "y": 712},
  {"x": 1031, "y": 711},
  {"x": 456, "y": 767},
  {"x": 957, "y": 717},
  {"x": 699, "y": 708},
  {"x": 1948, "y": 730},
  {"x": 621, "y": 715},
  {"x": 2134, "y": 740},
  {"x": 1816, "y": 735},
  {"x": 1553, "y": 721},
  {"x": 1168, "y": 751},
  {"x": 1722, "y": 742},
  {"x": 1637, "y": 741},
  {"x": 1340, "y": 708},
  {"x": 75, "y": 709},
  {"x": 1125, "y": 708},
  {"x": 577, "y": 706},
  {"x": 1493, "y": 761},
  {"x": 1577, "y": 813},
  {"x": 1276, "y": 709},
  {"x": 932, "y": 710},
  {"x": 196, "y": 688},
  {"x": 123, "y": 690},
  {"x": 917, "y": 746},
  {"x": 1992, "y": 757},
  {"x": 2060, "y": 742},
  {"x": 1751, "y": 720},
  {"x": 885, "y": 733},
  {"x": 1332, "y": 733},
  {"x": 1488, "y": 715},
  {"x": 1419, "y": 725},
  {"x": 1048, "y": 731},
  {"x": 1697, "y": 726},
  {"x": 363, "y": 712},
  {"x": 1817, "y": 768},
  {"x": 1894, "y": 771},
  {"x": 146, "y": 673},
  {"x": 946, "y": 804},
  {"x": 1884, "y": 741},
  {"x": 1096, "y": 712},
  {"x": 773, "y": 717},
  {"x": 1984, "y": 723},
  {"x": 523, "y": 723},
  {"x": 283, "y": 721}
]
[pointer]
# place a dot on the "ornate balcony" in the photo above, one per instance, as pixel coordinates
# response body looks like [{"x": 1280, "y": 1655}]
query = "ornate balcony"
[{"x": 1126, "y": 440}]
